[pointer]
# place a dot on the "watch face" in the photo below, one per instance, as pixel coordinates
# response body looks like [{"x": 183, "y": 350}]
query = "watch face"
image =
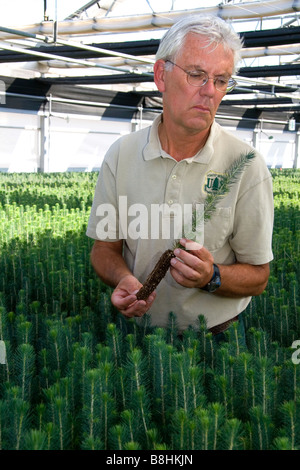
[{"x": 214, "y": 284}]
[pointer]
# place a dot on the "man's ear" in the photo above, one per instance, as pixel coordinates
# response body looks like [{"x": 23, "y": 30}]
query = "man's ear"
[{"x": 159, "y": 75}]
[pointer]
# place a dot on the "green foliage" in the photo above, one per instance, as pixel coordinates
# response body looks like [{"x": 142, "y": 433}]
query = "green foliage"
[
  {"x": 78, "y": 375},
  {"x": 229, "y": 178}
]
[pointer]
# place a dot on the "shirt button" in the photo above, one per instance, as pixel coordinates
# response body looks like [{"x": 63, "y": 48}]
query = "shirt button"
[
  {"x": 170, "y": 201},
  {"x": 174, "y": 177}
]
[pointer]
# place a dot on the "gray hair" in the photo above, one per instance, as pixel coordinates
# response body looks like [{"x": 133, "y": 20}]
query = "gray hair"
[{"x": 214, "y": 29}]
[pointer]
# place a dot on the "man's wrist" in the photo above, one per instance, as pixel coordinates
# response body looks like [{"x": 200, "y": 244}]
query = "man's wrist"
[{"x": 215, "y": 281}]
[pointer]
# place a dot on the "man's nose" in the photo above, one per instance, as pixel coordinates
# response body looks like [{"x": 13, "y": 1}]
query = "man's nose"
[{"x": 209, "y": 87}]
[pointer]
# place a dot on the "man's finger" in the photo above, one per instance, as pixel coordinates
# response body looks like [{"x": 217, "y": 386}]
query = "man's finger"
[{"x": 196, "y": 249}]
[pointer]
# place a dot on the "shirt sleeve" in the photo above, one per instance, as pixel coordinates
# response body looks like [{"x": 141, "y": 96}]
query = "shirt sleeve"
[
  {"x": 253, "y": 224},
  {"x": 103, "y": 221}
]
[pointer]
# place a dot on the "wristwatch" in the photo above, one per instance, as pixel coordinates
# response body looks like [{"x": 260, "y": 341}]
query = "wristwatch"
[{"x": 215, "y": 281}]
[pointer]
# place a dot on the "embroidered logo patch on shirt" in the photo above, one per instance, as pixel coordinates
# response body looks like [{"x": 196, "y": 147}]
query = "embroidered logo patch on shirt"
[{"x": 213, "y": 182}]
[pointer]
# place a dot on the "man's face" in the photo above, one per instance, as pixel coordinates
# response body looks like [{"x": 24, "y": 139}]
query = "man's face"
[{"x": 194, "y": 108}]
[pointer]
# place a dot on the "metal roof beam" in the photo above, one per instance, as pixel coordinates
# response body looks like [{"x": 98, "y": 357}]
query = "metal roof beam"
[
  {"x": 232, "y": 12},
  {"x": 44, "y": 55},
  {"x": 78, "y": 45},
  {"x": 131, "y": 49}
]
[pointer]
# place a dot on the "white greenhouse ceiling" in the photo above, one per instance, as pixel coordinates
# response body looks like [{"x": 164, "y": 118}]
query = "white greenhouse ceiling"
[{"x": 107, "y": 48}]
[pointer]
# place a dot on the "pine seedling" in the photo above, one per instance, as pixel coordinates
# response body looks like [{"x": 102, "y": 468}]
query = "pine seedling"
[
  {"x": 172, "y": 330},
  {"x": 138, "y": 395},
  {"x": 127, "y": 420},
  {"x": 225, "y": 392},
  {"x": 107, "y": 416},
  {"x": 180, "y": 430},
  {"x": 277, "y": 396},
  {"x": 130, "y": 341},
  {"x": 132, "y": 446},
  {"x": 258, "y": 342},
  {"x": 208, "y": 421},
  {"x": 43, "y": 368},
  {"x": 91, "y": 444},
  {"x": 290, "y": 380},
  {"x": 61, "y": 423},
  {"x": 107, "y": 373},
  {"x": 160, "y": 380},
  {"x": 38, "y": 324},
  {"x": 114, "y": 341},
  {"x": 183, "y": 382},
  {"x": 282, "y": 443},
  {"x": 58, "y": 413},
  {"x": 87, "y": 340},
  {"x": 206, "y": 346},
  {"x": 232, "y": 435},
  {"x": 203, "y": 426},
  {"x": 91, "y": 425},
  {"x": 98, "y": 403},
  {"x": 159, "y": 357},
  {"x": 261, "y": 429},
  {"x": 242, "y": 385},
  {"x": 57, "y": 347},
  {"x": 264, "y": 383},
  {"x": 120, "y": 392},
  {"x": 197, "y": 396},
  {"x": 174, "y": 377},
  {"x": 105, "y": 315},
  {"x": 142, "y": 411},
  {"x": 35, "y": 440},
  {"x": 235, "y": 338},
  {"x": 17, "y": 419},
  {"x": 224, "y": 379},
  {"x": 192, "y": 434},
  {"x": 116, "y": 437},
  {"x": 103, "y": 354},
  {"x": 3, "y": 424},
  {"x": 82, "y": 363},
  {"x": 212, "y": 199},
  {"x": 22, "y": 303},
  {"x": 290, "y": 412},
  {"x": 153, "y": 439},
  {"x": 3, "y": 324},
  {"x": 136, "y": 369},
  {"x": 190, "y": 344},
  {"x": 40, "y": 415},
  {"x": 23, "y": 331},
  {"x": 217, "y": 415},
  {"x": 24, "y": 360}
]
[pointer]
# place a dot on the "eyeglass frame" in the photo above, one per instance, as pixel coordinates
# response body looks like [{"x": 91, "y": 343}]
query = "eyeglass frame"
[{"x": 189, "y": 74}]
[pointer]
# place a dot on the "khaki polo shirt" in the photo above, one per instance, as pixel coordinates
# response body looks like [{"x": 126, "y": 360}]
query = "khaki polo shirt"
[{"x": 137, "y": 175}]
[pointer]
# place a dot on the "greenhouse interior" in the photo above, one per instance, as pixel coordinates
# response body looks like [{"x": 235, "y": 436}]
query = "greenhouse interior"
[
  {"x": 72, "y": 85},
  {"x": 76, "y": 76}
]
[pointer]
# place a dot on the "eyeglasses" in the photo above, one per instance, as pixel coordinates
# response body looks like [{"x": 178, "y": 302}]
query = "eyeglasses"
[{"x": 200, "y": 78}]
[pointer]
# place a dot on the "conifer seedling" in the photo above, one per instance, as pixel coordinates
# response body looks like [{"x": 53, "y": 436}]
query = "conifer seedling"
[{"x": 161, "y": 268}]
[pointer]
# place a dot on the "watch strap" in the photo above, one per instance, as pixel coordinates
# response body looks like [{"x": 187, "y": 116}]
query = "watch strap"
[{"x": 215, "y": 281}]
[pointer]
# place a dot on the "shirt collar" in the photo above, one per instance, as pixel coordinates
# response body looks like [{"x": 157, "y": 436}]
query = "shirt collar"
[{"x": 153, "y": 148}]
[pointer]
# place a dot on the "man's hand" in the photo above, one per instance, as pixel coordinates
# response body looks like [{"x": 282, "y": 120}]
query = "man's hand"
[
  {"x": 192, "y": 268},
  {"x": 124, "y": 297}
]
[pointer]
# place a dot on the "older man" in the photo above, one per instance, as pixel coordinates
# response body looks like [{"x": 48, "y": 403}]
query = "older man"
[{"x": 179, "y": 160}]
